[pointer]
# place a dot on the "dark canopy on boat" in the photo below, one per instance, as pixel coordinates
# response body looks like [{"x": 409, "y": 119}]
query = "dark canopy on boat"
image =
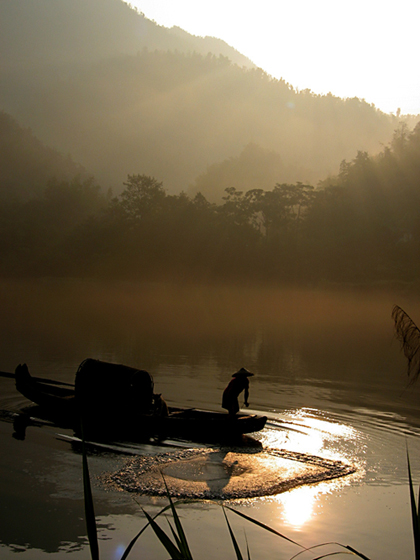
[{"x": 103, "y": 387}]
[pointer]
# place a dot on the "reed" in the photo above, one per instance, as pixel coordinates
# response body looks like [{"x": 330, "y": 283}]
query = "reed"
[
  {"x": 415, "y": 512},
  {"x": 89, "y": 508}
]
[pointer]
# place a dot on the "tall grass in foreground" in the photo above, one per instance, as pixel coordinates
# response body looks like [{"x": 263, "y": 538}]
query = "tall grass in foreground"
[
  {"x": 408, "y": 333},
  {"x": 89, "y": 509},
  {"x": 178, "y": 547}
]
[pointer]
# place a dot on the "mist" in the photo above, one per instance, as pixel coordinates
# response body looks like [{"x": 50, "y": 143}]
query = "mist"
[
  {"x": 123, "y": 95},
  {"x": 292, "y": 334},
  {"x": 219, "y": 173}
]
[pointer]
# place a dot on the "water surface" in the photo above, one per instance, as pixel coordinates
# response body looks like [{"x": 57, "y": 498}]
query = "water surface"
[{"x": 328, "y": 373}]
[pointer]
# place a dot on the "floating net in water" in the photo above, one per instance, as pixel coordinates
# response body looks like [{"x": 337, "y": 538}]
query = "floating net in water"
[{"x": 225, "y": 474}]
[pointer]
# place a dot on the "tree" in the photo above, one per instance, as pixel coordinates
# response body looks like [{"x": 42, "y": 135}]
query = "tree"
[
  {"x": 283, "y": 209},
  {"x": 143, "y": 198}
]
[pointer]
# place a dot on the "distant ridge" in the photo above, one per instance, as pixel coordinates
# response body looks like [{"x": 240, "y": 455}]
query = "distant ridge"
[
  {"x": 37, "y": 33},
  {"x": 27, "y": 166},
  {"x": 123, "y": 95},
  {"x": 205, "y": 45}
]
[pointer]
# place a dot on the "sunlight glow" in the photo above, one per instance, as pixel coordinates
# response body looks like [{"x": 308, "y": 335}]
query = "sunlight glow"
[
  {"x": 309, "y": 434},
  {"x": 331, "y": 428},
  {"x": 358, "y": 49},
  {"x": 298, "y": 505},
  {"x": 313, "y": 434}
]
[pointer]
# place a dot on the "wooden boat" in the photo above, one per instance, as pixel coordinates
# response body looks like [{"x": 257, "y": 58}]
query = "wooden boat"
[{"x": 110, "y": 399}]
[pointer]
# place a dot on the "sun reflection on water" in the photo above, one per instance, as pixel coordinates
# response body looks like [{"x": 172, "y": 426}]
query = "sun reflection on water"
[
  {"x": 311, "y": 432},
  {"x": 298, "y": 505}
]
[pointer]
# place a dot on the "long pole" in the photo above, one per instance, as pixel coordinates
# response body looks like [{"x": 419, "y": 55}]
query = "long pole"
[{"x": 40, "y": 379}]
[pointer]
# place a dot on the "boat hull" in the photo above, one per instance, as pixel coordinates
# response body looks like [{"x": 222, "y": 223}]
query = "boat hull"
[{"x": 60, "y": 405}]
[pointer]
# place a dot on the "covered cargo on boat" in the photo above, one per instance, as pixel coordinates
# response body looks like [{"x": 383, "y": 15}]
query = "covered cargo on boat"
[{"x": 107, "y": 392}]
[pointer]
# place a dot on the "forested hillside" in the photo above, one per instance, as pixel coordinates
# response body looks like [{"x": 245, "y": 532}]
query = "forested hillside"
[
  {"x": 358, "y": 227},
  {"x": 66, "y": 34},
  {"x": 219, "y": 172},
  {"x": 95, "y": 79},
  {"x": 26, "y": 165}
]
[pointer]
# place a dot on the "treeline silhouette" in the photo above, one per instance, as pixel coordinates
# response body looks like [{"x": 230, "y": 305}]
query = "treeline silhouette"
[{"x": 361, "y": 226}]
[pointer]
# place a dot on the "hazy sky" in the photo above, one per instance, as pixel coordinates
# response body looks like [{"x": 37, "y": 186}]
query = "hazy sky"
[{"x": 364, "y": 48}]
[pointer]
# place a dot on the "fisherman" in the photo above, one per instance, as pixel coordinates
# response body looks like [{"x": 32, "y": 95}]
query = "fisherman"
[{"x": 237, "y": 384}]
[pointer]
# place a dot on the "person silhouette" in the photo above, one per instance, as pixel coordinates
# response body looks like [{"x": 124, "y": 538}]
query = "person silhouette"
[{"x": 237, "y": 384}]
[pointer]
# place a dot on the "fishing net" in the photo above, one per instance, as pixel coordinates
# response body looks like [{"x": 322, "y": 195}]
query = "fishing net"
[{"x": 208, "y": 473}]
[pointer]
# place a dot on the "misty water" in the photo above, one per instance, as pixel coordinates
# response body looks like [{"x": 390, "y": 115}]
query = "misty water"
[{"x": 328, "y": 374}]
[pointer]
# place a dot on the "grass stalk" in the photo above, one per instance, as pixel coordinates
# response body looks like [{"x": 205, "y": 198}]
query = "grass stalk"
[
  {"x": 89, "y": 508},
  {"x": 232, "y": 537},
  {"x": 263, "y": 526},
  {"x": 345, "y": 549},
  {"x": 178, "y": 550},
  {"x": 415, "y": 511},
  {"x": 172, "y": 550},
  {"x": 183, "y": 544},
  {"x": 134, "y": 540}
]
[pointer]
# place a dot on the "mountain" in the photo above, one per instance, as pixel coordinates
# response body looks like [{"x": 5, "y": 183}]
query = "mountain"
[
  {"x": 253, "y": 168},
  {"x": 122, "y": 95},
  {"x": 27, "y": 166},
  {"x": 69, "y": 33}
]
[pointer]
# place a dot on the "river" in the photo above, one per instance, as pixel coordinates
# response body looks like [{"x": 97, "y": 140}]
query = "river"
[{"x": 328, "y": 374}]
